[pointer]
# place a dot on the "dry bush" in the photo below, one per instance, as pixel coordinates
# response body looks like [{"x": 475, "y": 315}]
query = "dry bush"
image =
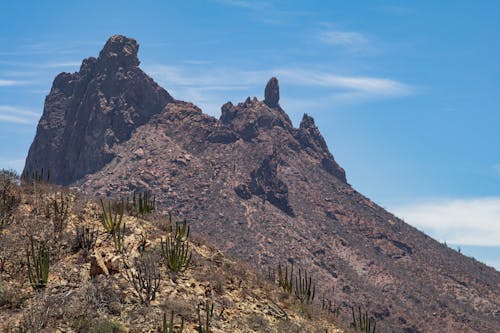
[{"x": 144, "y": 275}]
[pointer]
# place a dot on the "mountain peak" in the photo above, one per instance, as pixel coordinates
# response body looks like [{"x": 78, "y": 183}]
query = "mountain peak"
[
  {"x": 88, "y": 112},
  {"x": 272, "y": 93},
  {"x": 120, "y": 51}
]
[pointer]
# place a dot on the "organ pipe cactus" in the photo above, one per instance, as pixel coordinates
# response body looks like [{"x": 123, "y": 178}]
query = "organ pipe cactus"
[
  {"x": 304, "y": 288},
  {"x": 38, "y": 262}
]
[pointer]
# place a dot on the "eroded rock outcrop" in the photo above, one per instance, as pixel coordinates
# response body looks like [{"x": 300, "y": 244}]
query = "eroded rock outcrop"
[{"x": 86, "y": 113}]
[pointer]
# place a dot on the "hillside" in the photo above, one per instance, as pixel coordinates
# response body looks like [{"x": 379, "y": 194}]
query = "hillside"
[
  {"x": 260, "y": 189},
  {"x": 88, "y": 289}
]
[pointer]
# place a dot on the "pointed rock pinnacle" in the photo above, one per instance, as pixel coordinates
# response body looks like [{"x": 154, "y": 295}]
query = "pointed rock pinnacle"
[{"x": 272, "y": 93}]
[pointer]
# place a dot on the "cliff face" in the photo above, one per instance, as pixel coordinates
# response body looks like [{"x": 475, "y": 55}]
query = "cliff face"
[
  {"x": 86, "y": 113},
  {"x": 267, "y": 192}
]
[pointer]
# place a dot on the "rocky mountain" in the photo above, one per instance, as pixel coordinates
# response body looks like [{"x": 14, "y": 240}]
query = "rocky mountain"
[{"x": 259, "y": 188}]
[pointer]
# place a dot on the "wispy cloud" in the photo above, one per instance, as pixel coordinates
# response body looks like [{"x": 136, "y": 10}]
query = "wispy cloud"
[
  {"x": 363, "y": 84},
  {"x": 9, "y": 83},
  {"x": 473, "y": 221},
  {"x": 18, "y": 115},
  {"x": 41, "y": 65},
  {"x": 216, "y": 84},
  {"x": 350, "y": 41},
  {"x": 245, "y": 4},
  {"x": 343, "y": 38}
]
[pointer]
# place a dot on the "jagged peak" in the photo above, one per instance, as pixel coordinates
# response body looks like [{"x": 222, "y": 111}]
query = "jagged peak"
[
  {"x": 272, "y": 93},
  {"x": 120, "y": 51},
  {"x": 307, "y": 122}
]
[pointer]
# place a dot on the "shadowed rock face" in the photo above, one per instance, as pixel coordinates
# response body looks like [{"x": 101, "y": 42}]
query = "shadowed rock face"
[
  {"x": 272, "y": 93},
  {"x": 261, "y": 190},
  {"x": 86, "y": 113}
]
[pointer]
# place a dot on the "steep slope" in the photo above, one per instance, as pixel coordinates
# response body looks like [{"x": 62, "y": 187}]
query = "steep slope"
[{"x": 267, "y": 192}]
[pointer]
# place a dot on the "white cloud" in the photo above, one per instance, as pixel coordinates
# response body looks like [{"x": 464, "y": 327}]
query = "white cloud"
[
  {"x": 245, "y": 4},
  {"x": 19, "y": 115},
  {"x": 215, "y": 85},
  {"x": 9, "y": 83},
  {"x": 343, "y": 38},
  {"x": 363, "y": 84},
  {"x": 474, "y": 221}
]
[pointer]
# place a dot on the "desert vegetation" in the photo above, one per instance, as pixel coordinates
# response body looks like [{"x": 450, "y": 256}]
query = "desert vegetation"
[{"x": 74, "y": 263}]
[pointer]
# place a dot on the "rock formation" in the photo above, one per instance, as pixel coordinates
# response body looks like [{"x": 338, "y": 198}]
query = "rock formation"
[
  {"x": 260, "y": 189},
  {"x": 86, "y": 113}
]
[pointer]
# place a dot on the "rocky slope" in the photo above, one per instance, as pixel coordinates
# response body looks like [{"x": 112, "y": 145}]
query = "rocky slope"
[
  {"x": 267, "y": 192},
  {"x": 88, "y": 290}
]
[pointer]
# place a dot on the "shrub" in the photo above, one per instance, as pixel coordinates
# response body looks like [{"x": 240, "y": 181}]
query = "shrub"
[{"x": 145, "y": 277}]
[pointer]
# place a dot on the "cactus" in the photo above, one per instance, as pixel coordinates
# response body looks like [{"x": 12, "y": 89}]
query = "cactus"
[
  {"x": 86, "y": 238},
  {"x": 176, "y": 253},
  {"x": 141, "y": 204},
  {"x": 38, "y": 262},
  {"x": 204, "y": 326},
  {"x": 285, "y": 281},
  {"x": 168, "y": 327},
  {"x": 363, "y": 323},
  {"x": 30, "y": 178},
  {"x": 304, "y": 288},
  {"x": 109, "y": 220},
  {"x": 9, "y": 197},
  {"x": 59, "y": 213},
  {"x": 119, "y": 238},
  {"x": 181, "y": 230}
]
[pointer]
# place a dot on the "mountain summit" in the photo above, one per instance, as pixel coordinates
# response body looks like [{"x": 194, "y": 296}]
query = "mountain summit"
[
  {"x": 259, "y": 188},
  {"x": 86, "y": 113}
]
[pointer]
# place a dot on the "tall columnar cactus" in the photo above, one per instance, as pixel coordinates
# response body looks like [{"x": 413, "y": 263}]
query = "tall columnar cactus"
[
  {"x": 38, "y": 262},
  {"x": 363, "y": 323},
  {"x": 181, "y": 230},
  {"x": 304, "y": 288},
  {"x": 112, "y": 219},
  {"x": 119, "y": 238},
  {"x": 142, "y": 203},
  {"x": 204, "y": 323},
  {"x": 176, "y": 253},
  {"x": 86, "y": 238},
  {"x": 168, "y": 327},
  {"x": 285, "y": 281},
  {"x": 59, "y": 213}
]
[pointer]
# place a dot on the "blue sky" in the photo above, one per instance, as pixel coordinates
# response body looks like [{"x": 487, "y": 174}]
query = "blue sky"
[{"x": 407, "y": 96}]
